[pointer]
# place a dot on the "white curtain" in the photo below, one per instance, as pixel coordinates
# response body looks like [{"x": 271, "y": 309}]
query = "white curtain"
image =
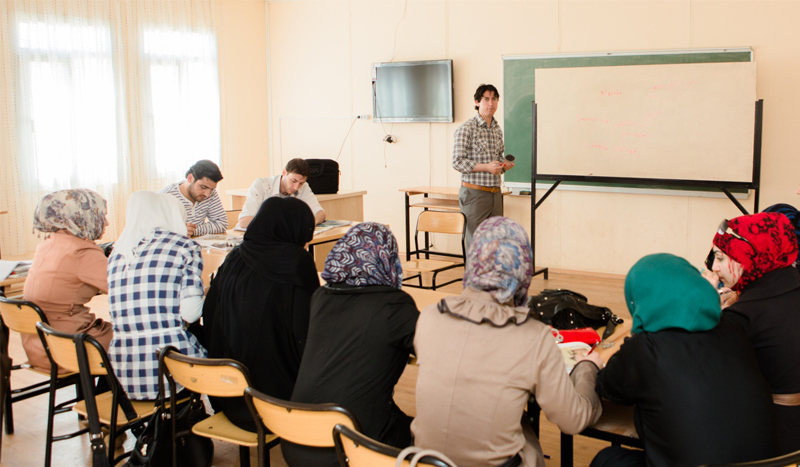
[{"x": 112, "y": 95}]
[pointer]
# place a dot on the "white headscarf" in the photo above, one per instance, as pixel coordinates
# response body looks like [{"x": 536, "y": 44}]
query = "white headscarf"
[{"x": 146, "y": 212}]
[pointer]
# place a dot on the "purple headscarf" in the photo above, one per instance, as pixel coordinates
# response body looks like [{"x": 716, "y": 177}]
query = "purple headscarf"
[
  {"x": 366, "y": 255},
  {"x": 499, "y": 261}
]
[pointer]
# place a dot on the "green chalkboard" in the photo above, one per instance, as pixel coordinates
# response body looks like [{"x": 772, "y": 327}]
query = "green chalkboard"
[{"x": 519, "y": 81}]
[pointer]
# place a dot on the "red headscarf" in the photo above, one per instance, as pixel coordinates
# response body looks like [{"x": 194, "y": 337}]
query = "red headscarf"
[{"x": 772, "y": 236}]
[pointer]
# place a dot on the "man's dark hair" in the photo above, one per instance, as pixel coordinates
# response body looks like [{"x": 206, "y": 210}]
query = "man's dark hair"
[
  {"x": 205, "y": 169},
  {"x": 482, "y": 89},
  {"x": 299, "y": 167}
]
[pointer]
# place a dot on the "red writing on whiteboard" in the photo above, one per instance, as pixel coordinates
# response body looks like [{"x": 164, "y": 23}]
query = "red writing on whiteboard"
[
  {"x": 635, "y": 135},
  {"x": 610, "y": 93},
  {"x": 614, "y": 149},
  {"x": 628, "y": 123},
  {"x": 591, "y": 119}
]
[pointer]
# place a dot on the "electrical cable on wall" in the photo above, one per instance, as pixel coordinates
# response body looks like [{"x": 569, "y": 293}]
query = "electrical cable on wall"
[
  {"x": 396, "y": 30},
  {"x": 345, "y": 138}
]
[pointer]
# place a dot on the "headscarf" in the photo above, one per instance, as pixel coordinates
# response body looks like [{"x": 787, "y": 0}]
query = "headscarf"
[
  {"x": 774, "y": 245},
  {"x": 791, "y": 213},
  {"x": 499, "y": 260},
  {"x": 366, "y": 255},
  {"x": 663, "y": 291},
  {"x": 79, "y": 211},
  {"x": 274, "y": 242},
  {"x": 146, "y": 212}
]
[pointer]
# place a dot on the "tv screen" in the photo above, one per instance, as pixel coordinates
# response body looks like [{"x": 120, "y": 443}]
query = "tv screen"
[{"x": 413, "y": 91}]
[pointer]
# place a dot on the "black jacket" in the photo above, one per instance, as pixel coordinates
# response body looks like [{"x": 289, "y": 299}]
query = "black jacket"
[
  {"x": 769, "y": 312},
  {"x": 699, "y": 396}
]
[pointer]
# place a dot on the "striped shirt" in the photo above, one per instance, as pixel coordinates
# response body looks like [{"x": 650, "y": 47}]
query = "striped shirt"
[
  {"x": 478, "y": 143},
  {"x": 210, "y": 208}
]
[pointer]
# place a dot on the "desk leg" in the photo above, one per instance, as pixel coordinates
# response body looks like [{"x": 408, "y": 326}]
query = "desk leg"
[
  {"x": 408, "y": 232},
  {"x": 566, "y": 450},
  {"x": 427, "y": 239}
]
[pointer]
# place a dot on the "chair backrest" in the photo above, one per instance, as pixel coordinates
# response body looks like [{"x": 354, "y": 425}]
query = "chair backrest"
[
  {"x": 449, "y": 222},
  {"x": 233, "y": 218},
  {"x": 218, "y": 377},
  {"x": 356, "y": 450},
  {"x": 212, "y": 260},
  {"x": 21, "y": 315},
  {"x": 306, "y": 424},
  {"x": 787, "y": 460},
  {"x": 61, "y": 348}
]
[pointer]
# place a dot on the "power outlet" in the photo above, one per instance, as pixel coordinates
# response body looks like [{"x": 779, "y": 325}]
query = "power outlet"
[{"x": 362, "y": 117}]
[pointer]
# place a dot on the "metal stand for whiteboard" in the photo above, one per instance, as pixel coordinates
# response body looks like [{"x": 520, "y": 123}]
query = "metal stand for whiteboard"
[{"x": 725, "y": 187}]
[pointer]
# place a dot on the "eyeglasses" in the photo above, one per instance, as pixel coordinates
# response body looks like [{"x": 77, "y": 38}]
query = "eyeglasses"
[{"x": 724, "y": 228}]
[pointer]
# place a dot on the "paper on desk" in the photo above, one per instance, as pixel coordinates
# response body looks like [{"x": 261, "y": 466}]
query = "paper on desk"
[
  {"x": 570, "y": 351},
  {"x": 328, "y": 225},
  {"x": 6, "y": 268}
]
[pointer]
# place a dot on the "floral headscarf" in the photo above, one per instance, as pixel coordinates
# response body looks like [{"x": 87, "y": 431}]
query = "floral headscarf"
[
  {"x": 499, "y": 261},
  {"x": 79, "y": 211},
  {"x": 774, "y": 245},
  {"x": 366, "y": 255}
]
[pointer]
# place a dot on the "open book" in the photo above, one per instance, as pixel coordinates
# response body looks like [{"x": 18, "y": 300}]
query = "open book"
[{"x": 571, "y": 350}]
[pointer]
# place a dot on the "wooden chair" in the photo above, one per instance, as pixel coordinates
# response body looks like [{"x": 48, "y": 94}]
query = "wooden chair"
[
  {"x": 233, "y": 217},
  {"x": 82, "y": 353},
  {"x": 212, "y": 260},
  {"x": 306, "y": 424},
  {"x": 217, "y": 377},
  {"x": 356, "y": 450},
  {"x": 787, "y": 460},
  {"x": 429, "y": 222},
  {"x": 21, "y": 316}
]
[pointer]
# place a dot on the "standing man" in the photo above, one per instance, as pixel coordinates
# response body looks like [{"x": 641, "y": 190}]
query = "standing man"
[
  {"x": 291, "y": 182},
  {"x": 478, "y": 155},
  {"x": 198, "y": 193}
]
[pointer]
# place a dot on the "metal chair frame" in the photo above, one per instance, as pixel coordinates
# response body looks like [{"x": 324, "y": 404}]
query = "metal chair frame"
[
  {"x": 390, "y": 453},
  {"x": 49, "y": 386},
  {"x": 427, "y": 251}
]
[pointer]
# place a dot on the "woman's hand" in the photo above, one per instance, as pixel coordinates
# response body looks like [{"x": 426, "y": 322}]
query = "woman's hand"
[
  {"x": 712, "y": 277},
  {"x": 592, "y": 357},
  {"x": 727, "y": 297}
]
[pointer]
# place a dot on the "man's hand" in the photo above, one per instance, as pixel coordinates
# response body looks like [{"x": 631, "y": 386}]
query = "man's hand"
[
  {"x": 319, "y": 217},
  {"x": 190, "y": 229},
  {"x": 508, "y": 166},
  {"x": 493, "y": 167}
]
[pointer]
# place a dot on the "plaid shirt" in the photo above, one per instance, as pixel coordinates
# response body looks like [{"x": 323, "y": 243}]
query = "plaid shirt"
[
  {"x": 478, "y": 143},
  {"x": 210, "y": 208},
  {"x": 144, "y": 301}
]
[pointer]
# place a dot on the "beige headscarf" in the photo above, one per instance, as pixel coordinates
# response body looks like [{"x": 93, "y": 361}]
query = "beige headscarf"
[{"x": 79, "y": 211}]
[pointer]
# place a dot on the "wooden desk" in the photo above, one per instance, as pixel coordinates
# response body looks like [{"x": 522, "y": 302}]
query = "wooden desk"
[
  {"x": 425, "y": 297},
  {"x": 446, "y": 200},
  {"x": 616, "y": 424},
  {"x": 9, "y": 282}
]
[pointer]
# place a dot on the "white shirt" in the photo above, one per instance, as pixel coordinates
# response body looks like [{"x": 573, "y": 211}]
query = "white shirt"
[{"x": 267, "y": 187}]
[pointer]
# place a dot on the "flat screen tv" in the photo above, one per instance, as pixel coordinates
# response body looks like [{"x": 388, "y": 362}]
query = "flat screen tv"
[{"x": 413, "y": 91}]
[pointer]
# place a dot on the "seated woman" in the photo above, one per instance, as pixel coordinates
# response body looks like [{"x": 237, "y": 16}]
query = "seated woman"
[
  {"x": 68, "y": 268},
  {"x": 482, "y": 355},
  {"x": 359, "y": 338},
  {"x": 699, "y": 396},
  {"x": 155, "y": 287},
  {"x": 754, "y": 257},
  {"x": 257, "y": 307}
]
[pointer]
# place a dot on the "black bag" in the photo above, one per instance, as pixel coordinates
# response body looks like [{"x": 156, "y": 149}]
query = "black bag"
[
  {"x": 323, "y": 178},
  {"x": 565, "y": 309},
  {"x": 154, "y": 445}
]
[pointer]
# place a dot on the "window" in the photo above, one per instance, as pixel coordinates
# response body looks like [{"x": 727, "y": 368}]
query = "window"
[
  {"x": 184, "y": 91},
  {"x": 70, "y": 107}
]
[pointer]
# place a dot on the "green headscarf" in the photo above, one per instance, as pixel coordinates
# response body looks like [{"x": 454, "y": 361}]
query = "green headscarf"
[{"x": 664, "y": 291}]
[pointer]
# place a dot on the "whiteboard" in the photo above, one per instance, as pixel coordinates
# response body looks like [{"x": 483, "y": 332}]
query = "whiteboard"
[{"x": 677, "y": 121}]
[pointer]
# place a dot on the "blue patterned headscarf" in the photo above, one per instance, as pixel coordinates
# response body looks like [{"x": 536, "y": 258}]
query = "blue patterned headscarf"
[
  {"x": 366, "y": 255},
  {"x": 499, "y": 260}
]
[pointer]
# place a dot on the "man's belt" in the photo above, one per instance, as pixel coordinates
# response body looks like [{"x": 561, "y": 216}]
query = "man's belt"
[
  {"x": 490, "y": 189},
  {"x": 789, "y": 400}
]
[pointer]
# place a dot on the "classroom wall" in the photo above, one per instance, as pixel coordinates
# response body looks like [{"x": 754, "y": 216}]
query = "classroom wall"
[
  {"x": 320, "y": 54},
  {"x": 242, "y": 45}
]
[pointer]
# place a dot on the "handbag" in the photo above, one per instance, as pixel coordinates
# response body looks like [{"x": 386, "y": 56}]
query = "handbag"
[
  {"x": 323, "y": 177},
  {"x": 154, "y": 445},
  {"x": 565, "y": 309}
]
